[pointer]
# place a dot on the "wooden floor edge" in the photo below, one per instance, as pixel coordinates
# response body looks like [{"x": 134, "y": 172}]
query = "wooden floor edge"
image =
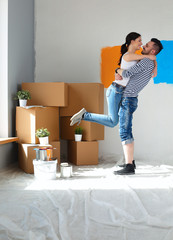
[{"x": 8, "y": 140}]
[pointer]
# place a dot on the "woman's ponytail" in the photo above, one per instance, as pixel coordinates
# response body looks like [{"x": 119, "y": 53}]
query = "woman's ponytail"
[{"x": 124, "y": 49}]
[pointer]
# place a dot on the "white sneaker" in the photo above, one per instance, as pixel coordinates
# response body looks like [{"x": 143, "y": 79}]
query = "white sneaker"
[
  {"x": 78, "y": 114},
  {"x": 75, "y": 121},
  {"x": 77, "y": 117}
]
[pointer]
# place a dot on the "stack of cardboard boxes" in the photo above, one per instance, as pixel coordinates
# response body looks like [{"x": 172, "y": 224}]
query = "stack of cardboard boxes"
[
  {"x": 52, "y": 96},
  {"x": 91, "y": 97},
  {"x": 60, "y": 101}
]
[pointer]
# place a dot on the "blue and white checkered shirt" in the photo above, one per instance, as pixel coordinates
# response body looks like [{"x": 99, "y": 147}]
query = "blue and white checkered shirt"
[{"x": 140, "y": 75}]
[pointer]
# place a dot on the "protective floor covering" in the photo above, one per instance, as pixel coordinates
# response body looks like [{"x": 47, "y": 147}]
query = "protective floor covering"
[{"x": 92, "y": 205}]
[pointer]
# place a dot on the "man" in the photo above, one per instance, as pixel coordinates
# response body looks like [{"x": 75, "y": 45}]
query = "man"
[{"x": 140, "y": 75}]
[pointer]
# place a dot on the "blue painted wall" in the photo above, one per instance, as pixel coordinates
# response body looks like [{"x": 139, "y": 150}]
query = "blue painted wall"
[{"x": 165, "y": 64}]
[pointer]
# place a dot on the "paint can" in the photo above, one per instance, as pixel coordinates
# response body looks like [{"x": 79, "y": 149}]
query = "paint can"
[
  {"x": 43, "y": 154},
  {"x": 66, "y": 170},
  {"x": 49, "y": 153},
  {"x": 45, "y": 170}
]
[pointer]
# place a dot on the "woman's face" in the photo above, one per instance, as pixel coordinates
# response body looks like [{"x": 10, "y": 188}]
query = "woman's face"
[{"x": 137, "y": 43}]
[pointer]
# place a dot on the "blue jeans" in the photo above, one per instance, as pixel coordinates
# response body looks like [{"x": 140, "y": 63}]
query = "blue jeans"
[
  {"x": 127, "y": 108},
  {"x": 113, "y": 94}
]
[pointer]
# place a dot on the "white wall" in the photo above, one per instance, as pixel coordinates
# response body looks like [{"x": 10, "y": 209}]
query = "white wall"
[
  {"x": 21, "y": 61},
  {"x": 3, "y": 67},
  {"x": 69, "y": 36},
  {"x": 16, "y": 65}
]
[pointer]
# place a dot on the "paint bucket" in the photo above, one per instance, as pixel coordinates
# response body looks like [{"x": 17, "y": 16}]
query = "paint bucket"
[
  {"x": 37, "y": 153},
  {"x": 66, "y": 170},
  {"x": 49, "y": 153},
  {"x": 45, "y": 170},
  {"x": 43, "y": 154}
]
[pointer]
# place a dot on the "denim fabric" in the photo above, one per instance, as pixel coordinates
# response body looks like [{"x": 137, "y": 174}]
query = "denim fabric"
[
  {"x": 113, "y": 94},
  {"x": 127, "y": 108}
]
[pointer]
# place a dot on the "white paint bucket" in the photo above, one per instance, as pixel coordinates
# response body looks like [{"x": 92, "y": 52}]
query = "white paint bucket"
[
  {"x": 45, "y": 170},
  {"x": 66, "y": 170}
]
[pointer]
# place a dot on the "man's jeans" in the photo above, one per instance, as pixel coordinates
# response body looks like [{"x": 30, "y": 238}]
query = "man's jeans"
[
  {"x": 127, "y": 108},
  {"x": 113, "y": 95}
]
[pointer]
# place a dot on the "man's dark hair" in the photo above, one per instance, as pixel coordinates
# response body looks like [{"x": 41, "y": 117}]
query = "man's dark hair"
[{"x": 157, "y": 45}]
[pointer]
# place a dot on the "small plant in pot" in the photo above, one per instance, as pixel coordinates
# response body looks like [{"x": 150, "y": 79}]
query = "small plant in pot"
[
  {"x": 78, "y": 134},
  {"x": 23, "y": 96},
  {"x": 43, "y": 135}
]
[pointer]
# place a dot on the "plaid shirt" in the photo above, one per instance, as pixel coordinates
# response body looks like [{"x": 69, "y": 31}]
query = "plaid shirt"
[{"x": 140, "y": 75}]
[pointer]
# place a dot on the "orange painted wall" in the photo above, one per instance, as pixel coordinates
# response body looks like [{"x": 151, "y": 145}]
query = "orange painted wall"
[{"x": 109, "y": 62}]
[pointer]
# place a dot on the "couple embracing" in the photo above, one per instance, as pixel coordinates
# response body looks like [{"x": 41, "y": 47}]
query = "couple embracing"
[{"x": 133, "y": 75}]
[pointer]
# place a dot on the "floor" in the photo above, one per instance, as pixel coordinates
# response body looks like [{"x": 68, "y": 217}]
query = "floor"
[{"x": 93, "y": 204}]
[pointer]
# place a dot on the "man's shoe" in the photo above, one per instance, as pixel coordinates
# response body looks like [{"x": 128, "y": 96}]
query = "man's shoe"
[
  {"x": 77, "y": 117},
  {"x": 123, "y": 165},
  {"x": 127, "y": 170}
]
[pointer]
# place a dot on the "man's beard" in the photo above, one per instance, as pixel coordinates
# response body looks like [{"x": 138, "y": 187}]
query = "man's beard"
[{"x": 144, "y": 53}]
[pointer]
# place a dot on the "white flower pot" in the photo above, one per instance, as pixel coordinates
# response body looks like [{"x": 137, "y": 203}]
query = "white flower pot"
[
  {"x": 44, "y": 140},
  {"x": 22, "y": 102},
  {"x": 78, "y": 137}
]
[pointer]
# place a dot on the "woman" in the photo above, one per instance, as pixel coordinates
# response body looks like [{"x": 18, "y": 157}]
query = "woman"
[{"x": 115, "y": 91}]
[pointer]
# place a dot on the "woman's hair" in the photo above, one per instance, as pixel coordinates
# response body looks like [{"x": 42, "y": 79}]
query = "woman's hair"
[{"x": 124, "y": 48}]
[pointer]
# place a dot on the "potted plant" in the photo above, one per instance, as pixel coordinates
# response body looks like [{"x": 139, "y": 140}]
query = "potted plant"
[
  {"x": 23, "y": 96},
  {"x": 43, "y": 135},
  {"x": 78, "y": 134}
]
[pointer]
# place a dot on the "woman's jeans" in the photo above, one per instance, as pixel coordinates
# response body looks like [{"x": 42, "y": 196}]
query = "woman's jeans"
[
  {"x": 120, "y": 109},
  {"x": 127, "y": 108},
  {"x": 113, "y": 94}
]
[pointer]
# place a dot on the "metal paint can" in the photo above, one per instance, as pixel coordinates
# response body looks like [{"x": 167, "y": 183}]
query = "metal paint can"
[
  {"x": 66, "y": 170},
  {"x": 49, "y": 153},
  {"x": 43, "y": 154}
]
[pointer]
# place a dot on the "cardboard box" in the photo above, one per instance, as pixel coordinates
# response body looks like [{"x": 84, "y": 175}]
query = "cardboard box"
[
  {"x": 29, "y": 120},
  {"x": 91, "y": 131},
  {"x": 87, "y": 95},
  {"x": 26, "y": 155},
  {"x": 47, "y": 93},
  {"x": 83, "y": 153},
  {"x": 56, "y": 150}
]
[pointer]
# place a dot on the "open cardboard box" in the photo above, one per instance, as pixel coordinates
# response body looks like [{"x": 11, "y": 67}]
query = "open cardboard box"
[{"x": 26, "y": 154}]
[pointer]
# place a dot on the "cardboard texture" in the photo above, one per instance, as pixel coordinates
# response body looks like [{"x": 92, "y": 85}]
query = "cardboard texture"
[
  {"x": 83, "y": 153},
  {"x": 26, "y": 154},
  {"x": 56, "y": 150},
  {"x": 87, "y": 95},
  {"x": 29, "y": 120},
  {"x": 91, "y": 131},
  {"x": 47, "y": 94}
]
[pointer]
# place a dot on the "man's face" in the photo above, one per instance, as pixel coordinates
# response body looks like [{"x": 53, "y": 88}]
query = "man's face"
[{"x": 148, "y": 49}]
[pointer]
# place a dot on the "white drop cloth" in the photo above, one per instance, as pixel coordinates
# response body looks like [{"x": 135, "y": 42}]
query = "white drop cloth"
[{"x": 92, "y": 205}]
